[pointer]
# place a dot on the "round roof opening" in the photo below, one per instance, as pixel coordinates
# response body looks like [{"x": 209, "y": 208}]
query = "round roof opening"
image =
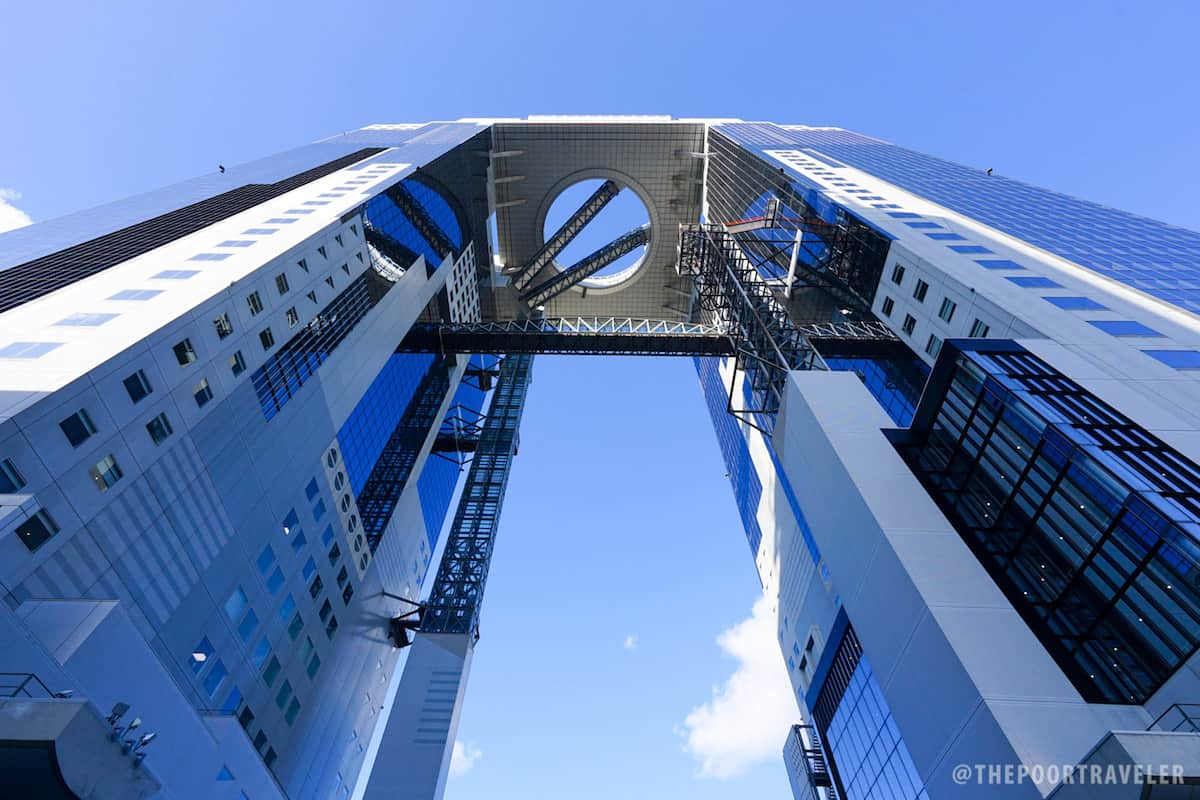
[{"x": 622, "y": 215}]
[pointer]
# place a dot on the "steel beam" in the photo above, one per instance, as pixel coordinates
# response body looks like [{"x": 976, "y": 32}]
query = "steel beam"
[
  {"x": 576, "y": 335},
  {"x": 732, "y": 294},
  {"x": 588, "y": 266},
  {"x": 524, "y": 275},
  {"x": 394, "y": 467},
  {"x": 426, "y": 226},
  {"x": 454, "y": 602}
]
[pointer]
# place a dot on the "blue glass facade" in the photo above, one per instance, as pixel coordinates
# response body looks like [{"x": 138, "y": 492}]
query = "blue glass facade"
[
  {"x": 440, "y": 475},
  {"x": 410, "y": 220},
  {"x": 869, "y": 758},
  {"x": 1086, "y": 521},
  {"x": 363, "y": 436},
  {"x": 747, "y": 488},
  {"x": 896, "y": 386},
  {"x": 1159, "y": 259}
]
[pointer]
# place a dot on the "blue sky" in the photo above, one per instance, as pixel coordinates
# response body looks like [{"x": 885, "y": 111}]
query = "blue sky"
[{"x": 618, "y": 523}]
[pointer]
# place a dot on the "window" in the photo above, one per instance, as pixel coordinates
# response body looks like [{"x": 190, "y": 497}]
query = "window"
[
  {"x": 312, "y": 296},
  {"x": 255, "y": 303},
  {"x": 1123, "y": 327},
  {"x": 237, "y": 363},
  {"x": 347, "y": 593},
  {"x": 335, "y": 553},
  {"x": 106, "y": 473},
  {"x": 898, "y": 274},
  {"x": 920, "y": 291},
  {"x": 346, "y": 268},
  {"x": 329, "y": 281},
  {"x": 326, "y": 610},
  {"x": 272, "y": 671},
  {"x": 342, "y": 577},
  {"x": 285, "y": 610},
  {"x": 236, "y": 604},
  {"x": 298, "y": 542},
  {"x": 85, "y": 320},
  {"x": 284, "y": 694},
  {"x": 338, "y": 238},
  {"x": 233, "y": 701},
  {"x": 293, "y": 709},
  {"x": 933, "y": 346},
  {"x": 307, "y": 649},
  {"x": 216, "y": 676},
  {"x": 321, "y": 250},
  {"x": 138, "y": 386},
  {"x": 270, "y": 758},
  {"x": 34, "y": 531},
  {"x": 313, "y": 666},
  {"x": 135, "y": 294},
  {"x": 266, "y": 559},
  {"x": 248, "y": 625},
  {"x": 979, "y": 330},
  {"x": 28, "y": 349},
  {"x": 293, "y": 318},
  {"x": 946, "y": 312},
  {"x": 969, "y": 248},
  {"x": 281, "y": 283},
  {"x": 327, "y": 535},
  {"x": 310, "y": 568},
  {"x": 202, "y": 393},
  {"x": 1176, "y": 359},
  {"x": 275, "y": 582},
  {"x": 184, "y": 352},
  {"x": 201, "y": 653},
  {"x": 910, "y": 324},
  {"x": 259, "y": 656},
  {"x": 159, "y": 428},
  {"x": 1034, "y": 282},
  {"x": 888, "y": 305},
  {"x": 223, "y": 325},
  {"x": 10, "y": 479},
  {"x": 290, "y": 521},
  {"x": 311, "y": 490},
  {"x": 332, "y": 627},
  {"x": 295, "y": 626},
  {"x": 1075, "y": 303},
  {"x": 78, "y": 427},
  {"x": 303, "y": 264},
  {"x": 266, "y": 338},
  {"x": 315, "y": 587},
  {"x": 175, "y": 274}
]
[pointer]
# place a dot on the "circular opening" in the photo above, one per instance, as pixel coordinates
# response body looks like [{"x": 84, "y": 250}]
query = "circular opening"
[{"x": 623, "y": 214}]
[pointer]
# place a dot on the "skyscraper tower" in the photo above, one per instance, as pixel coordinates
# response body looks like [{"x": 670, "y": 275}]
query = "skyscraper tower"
[{"x": 958, "y": 413}]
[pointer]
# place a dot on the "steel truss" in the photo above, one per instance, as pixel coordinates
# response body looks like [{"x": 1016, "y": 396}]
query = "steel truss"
[
  {"x": 588, "y": 266},
  {"x": 454, "y": 602},
  {"x": 525, "y": 274},
  {"x": 430, "y": 231},
  {"x": 394, "y": 467},
  {"x": 576, "y": 335},
  {"x": 734, "y": 297}
]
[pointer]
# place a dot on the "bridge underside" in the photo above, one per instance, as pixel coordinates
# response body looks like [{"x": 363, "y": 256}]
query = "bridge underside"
[{"x": 573, "y": 335}]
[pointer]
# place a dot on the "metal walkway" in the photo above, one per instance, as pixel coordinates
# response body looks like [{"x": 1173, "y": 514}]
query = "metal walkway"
[{"x": 574, "y": 335}]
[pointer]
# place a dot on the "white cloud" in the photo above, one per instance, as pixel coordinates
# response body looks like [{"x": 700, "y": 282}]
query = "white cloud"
[
  {"x": 747, "y": 719},
  {"x": 463, "y": 758},
  {"x": 630, "y": 642},
  {"x": 10, "y": 216}
]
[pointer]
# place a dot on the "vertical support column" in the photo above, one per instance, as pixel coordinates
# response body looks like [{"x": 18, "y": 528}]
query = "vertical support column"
[{"x": 414, "y": 753}]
